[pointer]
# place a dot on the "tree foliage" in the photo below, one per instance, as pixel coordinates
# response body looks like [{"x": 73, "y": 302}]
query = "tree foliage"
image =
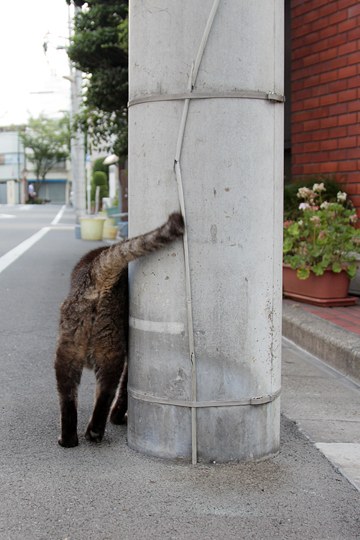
[
  {"x": 48, "y": 140},
  {"x": 98, "y": 165},
  {"x": 99, "y": 178},
  {"x": 99, "y": 49}
]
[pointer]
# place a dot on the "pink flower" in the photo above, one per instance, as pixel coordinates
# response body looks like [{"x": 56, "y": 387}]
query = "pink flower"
[
  {"x": 304, "y": 206},
  {"x": 353, "y": 218}
]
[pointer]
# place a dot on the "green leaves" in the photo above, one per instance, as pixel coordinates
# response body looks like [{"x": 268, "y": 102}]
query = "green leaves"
[
  {"x": 351, "y": 270},
  {"x": 100, "y": 48},
  {"x": 48, "y": 142},
  {"x": 288, "y": 244},
  {"x": 319, "y": 269},
  {"x": 303, "y": 273},
  {"x": 336, "y": 267}
]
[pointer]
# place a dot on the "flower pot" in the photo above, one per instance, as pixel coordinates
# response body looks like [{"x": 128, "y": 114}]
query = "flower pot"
[
  {"x": 330, "y": 289},
  {"x": 91, "y": 228},
  {"x": 110, "y": 230}
]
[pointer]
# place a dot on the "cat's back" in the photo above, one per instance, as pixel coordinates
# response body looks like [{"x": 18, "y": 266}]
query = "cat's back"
[
  {"x": 90, "y": 313},
  {"x": 82, "y": 296},
  {"x": 86, "y": 291},
  {"x": 81, "y": 273}
]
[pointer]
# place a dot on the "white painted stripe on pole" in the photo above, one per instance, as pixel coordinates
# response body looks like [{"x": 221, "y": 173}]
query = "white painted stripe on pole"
[
  {"x": 157, "y": 326},
  {"x": 58, "y": 215},
  {"x": 19, "y": 250}
]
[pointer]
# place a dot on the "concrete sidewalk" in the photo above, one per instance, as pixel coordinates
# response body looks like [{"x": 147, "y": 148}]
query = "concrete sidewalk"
[{"x": 322, "y": 394}]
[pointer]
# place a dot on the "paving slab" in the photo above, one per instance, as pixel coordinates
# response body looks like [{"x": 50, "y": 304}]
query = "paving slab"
[{"x": 346, "y": 457}]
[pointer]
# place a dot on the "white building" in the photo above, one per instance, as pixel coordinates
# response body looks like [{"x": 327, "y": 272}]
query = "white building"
[
  {"x": 16, "y": 173},
  {"x": 12, "y": 166}
]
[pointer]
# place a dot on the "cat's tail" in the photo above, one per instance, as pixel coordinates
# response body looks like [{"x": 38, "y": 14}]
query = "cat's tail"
[{"x": 112, "y": 261}]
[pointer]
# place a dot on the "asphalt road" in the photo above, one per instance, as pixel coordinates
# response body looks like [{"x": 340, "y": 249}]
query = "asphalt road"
[{"x": 108, "y": 491}]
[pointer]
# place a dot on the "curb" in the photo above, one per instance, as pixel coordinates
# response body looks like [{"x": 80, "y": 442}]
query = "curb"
[{"x": 332, "y": 344}]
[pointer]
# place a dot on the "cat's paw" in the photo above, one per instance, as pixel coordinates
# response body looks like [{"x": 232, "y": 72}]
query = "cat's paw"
[
  {"x": 68, "y": 442},
  {"x": 118, "y": 417},
  {"x": 92, "y": 435}
]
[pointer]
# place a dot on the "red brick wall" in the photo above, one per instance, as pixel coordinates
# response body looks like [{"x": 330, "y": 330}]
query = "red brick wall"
[{"x": 325, "y": 91}]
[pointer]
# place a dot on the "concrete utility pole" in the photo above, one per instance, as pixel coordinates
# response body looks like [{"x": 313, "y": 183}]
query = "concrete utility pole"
[
  {"x": 77, "y": 153},
  {"x": 77, "y": 148},
  {"x": 206, "y": 135}
]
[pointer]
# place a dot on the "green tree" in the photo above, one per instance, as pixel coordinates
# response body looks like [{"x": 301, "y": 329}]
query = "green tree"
[
  {"x": 99, "y": 48},
  {"x": 48, "y": 142},
  {"x": 99, "y": 166},
  {"x": 99, "y": 179}
]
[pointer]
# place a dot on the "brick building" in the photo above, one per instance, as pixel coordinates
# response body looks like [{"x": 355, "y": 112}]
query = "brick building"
[{"x": 323, "y": 65}]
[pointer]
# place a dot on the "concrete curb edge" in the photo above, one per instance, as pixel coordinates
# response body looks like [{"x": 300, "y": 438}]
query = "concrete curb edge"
[{"x": 335, "y": 346}]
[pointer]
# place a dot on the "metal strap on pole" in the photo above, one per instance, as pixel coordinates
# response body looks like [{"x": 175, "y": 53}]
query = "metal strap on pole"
[
  {"x": 253, "y": 401},
  {"x": 235, "y": 94},
  {"x": 177, "y": 169}
]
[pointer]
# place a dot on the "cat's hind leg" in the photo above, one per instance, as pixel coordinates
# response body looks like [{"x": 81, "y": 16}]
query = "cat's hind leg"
[
  {"x": 107, "y": 380},
  {"x": 68, "y": 375},
  {"x": 119, "y": 407}
]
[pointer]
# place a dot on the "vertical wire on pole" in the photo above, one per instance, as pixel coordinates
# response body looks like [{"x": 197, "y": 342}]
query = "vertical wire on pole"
[{"x": 177, "y": 166}]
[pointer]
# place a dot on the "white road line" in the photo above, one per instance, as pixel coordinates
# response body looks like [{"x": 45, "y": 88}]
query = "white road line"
[
  {"x": 58, "y": 215},
  {"x": 19, "y": 250}
]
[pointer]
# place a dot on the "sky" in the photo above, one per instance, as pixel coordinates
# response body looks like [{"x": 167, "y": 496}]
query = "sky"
[{"x": 31, "y": 81}]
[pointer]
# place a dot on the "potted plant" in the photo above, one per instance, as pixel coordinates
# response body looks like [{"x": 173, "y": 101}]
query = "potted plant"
[
  {"x": 92, "y": 226},
  {"x": 320, "y": 248}
]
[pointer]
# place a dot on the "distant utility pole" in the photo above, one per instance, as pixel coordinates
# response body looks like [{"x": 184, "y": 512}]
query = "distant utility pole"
[
  {"x": 77, "y": 148},
  {"x": 78, "y": 171},
  {"x": 206, "y": 136}
]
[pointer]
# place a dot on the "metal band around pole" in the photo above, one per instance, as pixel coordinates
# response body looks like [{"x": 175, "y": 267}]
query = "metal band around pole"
[
  {"x": 236, "y": 94},
  {"x": 253, "y": 401}
]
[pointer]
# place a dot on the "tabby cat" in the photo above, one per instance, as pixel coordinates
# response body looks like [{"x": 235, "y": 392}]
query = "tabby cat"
[{"x": 93, "y": 333}]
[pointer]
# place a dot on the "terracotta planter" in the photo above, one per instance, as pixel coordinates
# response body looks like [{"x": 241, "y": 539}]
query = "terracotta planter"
[{"x": 330, "y": 289}]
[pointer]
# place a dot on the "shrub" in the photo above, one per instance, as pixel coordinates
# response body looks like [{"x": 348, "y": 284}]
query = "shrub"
[
  {"x": 324, "y": 236},
  {"x": 99, "y": 178}
]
